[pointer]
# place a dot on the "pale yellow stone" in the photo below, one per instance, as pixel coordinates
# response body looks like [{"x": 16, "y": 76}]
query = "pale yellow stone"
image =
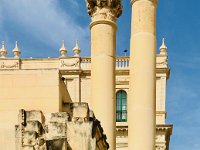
[
  {"x": 39, "y": 75},
  {"x": 48, "y": 84},
  {"x": 142, "y": 92},
  {"x": 29, "y": 89},
  {"x": 103, "y": 52}
]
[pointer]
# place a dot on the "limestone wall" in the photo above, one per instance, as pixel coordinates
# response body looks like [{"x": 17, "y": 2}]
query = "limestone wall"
[
  {"x": 37, "y": 84},
  {"x": 27, "y": 89}
]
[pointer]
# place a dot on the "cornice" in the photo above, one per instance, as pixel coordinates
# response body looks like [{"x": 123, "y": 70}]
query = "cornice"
[
  {"x": 159, "y": 127},
  {"x": 166, "y": 128}
]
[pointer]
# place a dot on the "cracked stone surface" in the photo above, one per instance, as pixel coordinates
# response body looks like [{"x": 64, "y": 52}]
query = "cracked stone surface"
[{"x": 73, "y": 130}]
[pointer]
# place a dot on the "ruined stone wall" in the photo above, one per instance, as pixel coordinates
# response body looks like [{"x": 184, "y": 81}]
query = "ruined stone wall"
[{"x": 73, "y": 130}]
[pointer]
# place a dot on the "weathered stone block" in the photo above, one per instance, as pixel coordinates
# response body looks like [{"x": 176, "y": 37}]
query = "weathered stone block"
[
  {"x": 73, "y": 130},
  {"x": 80, "y": 112},
  {"x": 30, "y": 138}
]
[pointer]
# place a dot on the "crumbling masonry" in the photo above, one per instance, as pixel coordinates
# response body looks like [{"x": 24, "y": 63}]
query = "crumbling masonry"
[{"x": 72, "y": 130}]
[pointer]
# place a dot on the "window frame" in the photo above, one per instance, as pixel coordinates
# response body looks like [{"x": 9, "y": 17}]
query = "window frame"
[{"x": 121, "y": 106}]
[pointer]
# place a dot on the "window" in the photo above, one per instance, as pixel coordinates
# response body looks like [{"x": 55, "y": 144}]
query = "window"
[{"x": 121, "y": 106}]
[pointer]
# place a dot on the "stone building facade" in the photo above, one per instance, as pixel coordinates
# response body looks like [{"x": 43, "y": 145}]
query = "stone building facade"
[
  {"x": 48, "y": 84},
  {"x": 131, "y": 88}
]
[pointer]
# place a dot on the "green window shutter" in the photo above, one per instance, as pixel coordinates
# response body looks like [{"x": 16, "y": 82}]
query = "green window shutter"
[{"x": 121, "y": 106}]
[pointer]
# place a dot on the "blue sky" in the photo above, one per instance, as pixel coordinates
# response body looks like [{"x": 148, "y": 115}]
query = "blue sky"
[{"x": 41, "y": 25}]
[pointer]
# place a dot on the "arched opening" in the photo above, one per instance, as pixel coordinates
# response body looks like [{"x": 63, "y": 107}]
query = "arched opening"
[{"x": 121, "y": 106}]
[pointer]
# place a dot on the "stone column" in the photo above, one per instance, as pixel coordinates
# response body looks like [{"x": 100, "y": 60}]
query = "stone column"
[
  {"x": 103, "y": 50},
  {"x": 142, "y": 98}
]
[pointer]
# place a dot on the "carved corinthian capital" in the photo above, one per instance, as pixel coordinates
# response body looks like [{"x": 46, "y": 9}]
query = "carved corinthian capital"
[{"x": 104, "y": 9}]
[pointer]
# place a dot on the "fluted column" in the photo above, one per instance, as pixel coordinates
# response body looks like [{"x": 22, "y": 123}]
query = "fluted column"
[
  {"x": 142, "y": 98},
  {"x": 103, "y": 46}
]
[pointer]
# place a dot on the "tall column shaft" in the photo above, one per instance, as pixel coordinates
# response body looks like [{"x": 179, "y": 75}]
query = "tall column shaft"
[
  {"x": 103, "y": 41},
  {"x": 103, "y": 47},
  {"x": 142, "y": 98}
]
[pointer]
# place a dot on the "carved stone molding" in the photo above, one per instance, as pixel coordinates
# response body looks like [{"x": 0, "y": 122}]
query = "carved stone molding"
[
  {"x": 160, "y": 147},
  {"x": 121, "y": 131},
  {"x": 68, "y": 64},
  {"x": 9, "y": 64},
  {"x": 73, "y": 63},
  {"x": 15, "y": 65},
  {"x": 162, "y": 62},
  {"x": 104, "y": 9}
]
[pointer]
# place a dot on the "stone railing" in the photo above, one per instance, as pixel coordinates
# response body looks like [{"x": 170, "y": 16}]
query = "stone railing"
[
  {"x": 69, "y": 63},
  {"x": 86, "y": 63},
  {"x": 122, "y": 62}
]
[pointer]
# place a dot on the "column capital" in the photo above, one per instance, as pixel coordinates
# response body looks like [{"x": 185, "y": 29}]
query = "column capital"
[
  {"x": 106, "y": 10},
  {"x": 153, "y": 1}
]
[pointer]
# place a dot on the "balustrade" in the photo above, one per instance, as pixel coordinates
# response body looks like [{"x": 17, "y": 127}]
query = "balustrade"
[
  {"x": 86, "y": 63},
  {"x": 122, "y": 62}
]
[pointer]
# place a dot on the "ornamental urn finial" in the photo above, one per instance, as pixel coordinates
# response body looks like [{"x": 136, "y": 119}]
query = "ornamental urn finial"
[
  {"x": 163, "y": 48},
  {"x": 63, "y": 50},
  {"x": 76, "y": 49},
  {"x": 16, "y": 50},
  {"x": 3, "y": 51}
]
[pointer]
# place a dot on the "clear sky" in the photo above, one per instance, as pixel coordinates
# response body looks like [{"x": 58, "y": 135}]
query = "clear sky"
[{"x": 40, "y": 25}]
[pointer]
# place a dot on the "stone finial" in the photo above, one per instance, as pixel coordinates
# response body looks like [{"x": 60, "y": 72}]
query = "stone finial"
[
  {"x": 3, "y": 51},
  {"x": 104, "y": 9},
  {"x": 16, "y": 50},
  {"x": 63, "y": 50},
  {"x": 163, "y": 48},
  {"x": 76, "y": 49}
]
